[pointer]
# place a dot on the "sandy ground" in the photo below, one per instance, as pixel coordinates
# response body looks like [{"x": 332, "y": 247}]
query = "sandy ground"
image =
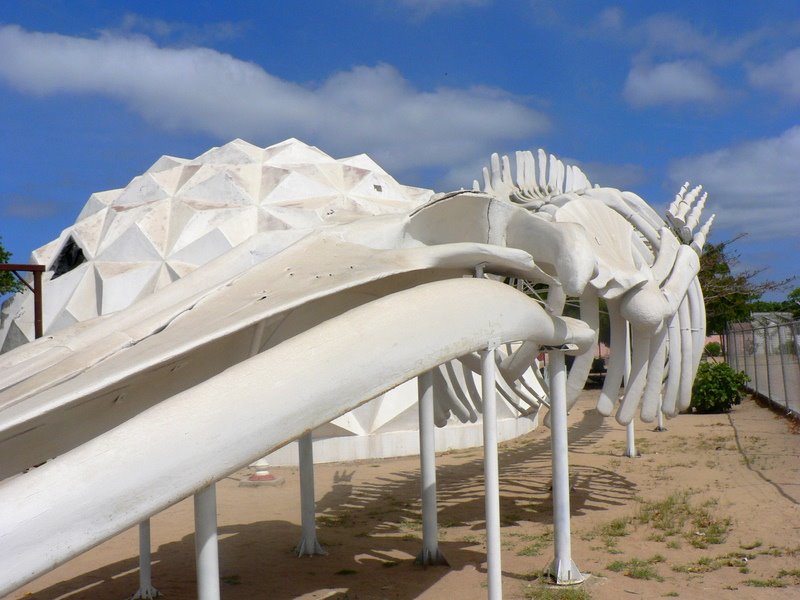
[{"x": 735, "y": 477}]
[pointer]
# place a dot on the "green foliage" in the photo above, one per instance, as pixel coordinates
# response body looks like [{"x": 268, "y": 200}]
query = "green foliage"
[
  {"x": 713, "y": 349},
  {"x": 539, "y": 592},
  {"x": 728, "y": 289},
  {"x": 8, "y": 281},
  {"x": 790, "y": 305},
  {"x": 793, "y": 303},
  {"x": 726, "y": 294},
  {"x": 638, "y": 569},
  {"x": 676, "y": 516},
  {"x": 717, "y": 387}
]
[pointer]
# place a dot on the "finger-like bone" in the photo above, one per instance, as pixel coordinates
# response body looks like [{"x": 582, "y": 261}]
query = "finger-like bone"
[
  {"x": 687, "y": 266},
  {"x": 696, "y": 323},
  {"x": 468, "y": 380},
  {"x": 651, "y": 398},
  {"x": 582, "y": 365},
  {"x": 687, "y": 357},
  {"x": 455, "y": 379},
  {"x": 693, "y": 218},
  {"x": 522, "y": 180},
  {"x": 673, "y": 207},
  {"x": 520, "y": 360},
  {"x": 542, "y": 169},
  {"x": 669, "y": 404},
  {"x": 667, "y": 253},
  {"x": 616, "y": 361},
  {"x": 640, "y": 352},
  {"x": 444, "y": 393},
  {"x": 700, "y": 238},
  {"x": 552, "y": 174}
]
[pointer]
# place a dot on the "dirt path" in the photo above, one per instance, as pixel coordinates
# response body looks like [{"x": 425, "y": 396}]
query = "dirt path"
[{"x": 639, "y": 525}]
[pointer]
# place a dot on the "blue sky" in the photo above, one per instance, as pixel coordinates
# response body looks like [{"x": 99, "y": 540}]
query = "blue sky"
[{"x": 642, "y": 95}]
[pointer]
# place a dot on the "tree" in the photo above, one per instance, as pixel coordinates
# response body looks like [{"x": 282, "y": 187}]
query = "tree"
[
  {"x": 8, "y": 281},
  {"x": 793, "y": 303},
  {"x": 729, "y": 292}
]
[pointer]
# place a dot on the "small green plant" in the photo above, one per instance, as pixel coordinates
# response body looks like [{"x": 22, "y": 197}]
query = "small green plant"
[
  {"x": 717, "y": 387},
  {"x": 638, "y": 569},
  {"x": 766, "y": 583},
  {"x": 674, "y": 514},
  {"x": 540, "y": 542},
  {"x": 713, "y": 349},
  {"x": 709, "y": 563},
  {"x": 539, "y": 592}
]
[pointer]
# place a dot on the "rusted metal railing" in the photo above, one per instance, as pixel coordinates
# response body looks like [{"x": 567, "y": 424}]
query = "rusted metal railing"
[{"x": 36, "y": 288}]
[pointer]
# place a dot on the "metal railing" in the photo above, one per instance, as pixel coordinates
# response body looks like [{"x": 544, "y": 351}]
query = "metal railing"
[
  {"x": 36, "y": 288},
  {"x": 768, "y": 354}
]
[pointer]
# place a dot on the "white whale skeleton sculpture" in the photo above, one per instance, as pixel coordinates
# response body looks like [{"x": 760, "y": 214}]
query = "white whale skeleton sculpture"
[
  {"x": 644, "y": 269},
  {"x": 159, "y": 369}
]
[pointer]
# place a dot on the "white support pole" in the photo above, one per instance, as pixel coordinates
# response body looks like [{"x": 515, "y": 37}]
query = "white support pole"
[
  {"x": 430, "y": 554},
  {"x": 491, "y": 474},
  {"x": 562, "y": 570},
  {"x": 630, "y": 438},
  {"x": 630, "y": 430},
  {"x": 309, "y": 545},
  {"x": 660, "y": 426},
  {"x": 205, "y": 543},
  {"x": 146, "y": 590}
]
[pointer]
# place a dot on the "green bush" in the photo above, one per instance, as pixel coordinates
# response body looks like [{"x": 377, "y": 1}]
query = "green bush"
[
  {"x": 713, "y": 349},
  {"x": 717, "y": 387}
]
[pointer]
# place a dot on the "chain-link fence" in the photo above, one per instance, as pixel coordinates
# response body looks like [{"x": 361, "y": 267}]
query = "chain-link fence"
[{"x": 767, "y": 349}]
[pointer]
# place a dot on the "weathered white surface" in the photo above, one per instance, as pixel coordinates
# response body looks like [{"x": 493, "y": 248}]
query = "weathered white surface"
[
  {"x": 197, "y": 436},
  {"x": 278, "y": 336},
  {"x": 641, "y": 268},
  {"x": 227, "y": 210}
]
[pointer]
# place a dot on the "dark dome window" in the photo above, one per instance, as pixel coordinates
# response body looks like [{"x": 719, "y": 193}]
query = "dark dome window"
[{"x": 70, "y": 257}]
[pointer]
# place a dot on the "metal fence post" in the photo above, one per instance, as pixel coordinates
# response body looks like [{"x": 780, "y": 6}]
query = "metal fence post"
[
  {"x": 783, "y": 369},
  {"x": 766, "y": 361},
  {"x": 755, "y": 360}
]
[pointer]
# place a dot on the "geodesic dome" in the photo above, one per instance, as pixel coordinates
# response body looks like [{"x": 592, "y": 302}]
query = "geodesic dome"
[{"x": 180, "y": 214}]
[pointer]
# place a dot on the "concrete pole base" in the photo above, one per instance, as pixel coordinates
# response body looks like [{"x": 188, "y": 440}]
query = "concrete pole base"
[
  {"x": 428, "y": 558},
  {"x": 310, "y": 548},
  {"x": 565, "y": 573},
  {"x": 147, "y": 593}
]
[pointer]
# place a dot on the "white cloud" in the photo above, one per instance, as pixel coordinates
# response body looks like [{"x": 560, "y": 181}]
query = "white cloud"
[
  {"x": 366, "y": 109},
  {"x": 677, "y": 82},
  {"x": 753, "y": 187},
  {"x": 26, "y": 207},
  {"x": 183, "y": 32},
  {"x": 610, "y": 20},
  {"x": 781, "y": 76},
  {"x": 677, "y": 37},
  {"x": 423, "y": 8}
]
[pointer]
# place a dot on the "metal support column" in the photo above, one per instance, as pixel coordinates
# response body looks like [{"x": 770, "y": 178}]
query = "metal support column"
[
  {"x": 783, "y": 349},
  {"x": 309, "y": 545},
  {"x": 146, "y": 590},
  {"x": 430, "y": 554},
  {"x": 36, "y": 288},
  {"x": 205, "y": 543},
  {"x": 562, "y": 570},
  {"x": 491, "y": 474},
  {"x": 766, "y": 361},
  {"x": 630, "y": 429},
  {"x": 755, "y": 361}
]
